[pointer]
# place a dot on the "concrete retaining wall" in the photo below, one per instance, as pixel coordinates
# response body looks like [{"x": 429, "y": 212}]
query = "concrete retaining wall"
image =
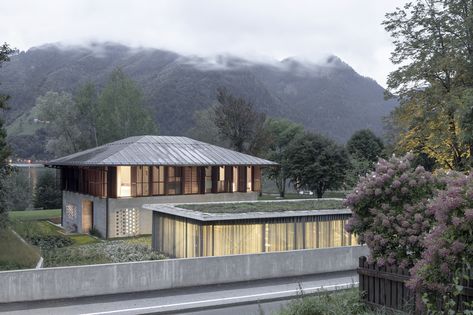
[{"x": 68, "y": 282}]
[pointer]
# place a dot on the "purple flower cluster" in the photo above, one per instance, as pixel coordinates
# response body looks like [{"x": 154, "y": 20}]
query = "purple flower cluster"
[
  {"x": 389, "y": 210},
  {"x": 449, "y": 245}
]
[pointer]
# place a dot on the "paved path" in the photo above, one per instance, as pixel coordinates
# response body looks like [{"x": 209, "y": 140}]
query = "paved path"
[{"x": 196, "y": 299}]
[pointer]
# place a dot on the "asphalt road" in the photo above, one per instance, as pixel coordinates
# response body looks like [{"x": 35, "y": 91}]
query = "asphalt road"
[{"x": 256, "y": 297}]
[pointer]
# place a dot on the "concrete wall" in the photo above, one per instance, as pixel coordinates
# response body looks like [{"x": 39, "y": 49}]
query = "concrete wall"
[
  {"x": 145, "y": 216},
  {"x": 69, "y": 282},
  {"x": 72, "y": 223}
]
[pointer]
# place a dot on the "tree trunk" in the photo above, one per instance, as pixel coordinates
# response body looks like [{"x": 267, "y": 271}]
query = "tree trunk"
[{"x": 282, "y": 189}]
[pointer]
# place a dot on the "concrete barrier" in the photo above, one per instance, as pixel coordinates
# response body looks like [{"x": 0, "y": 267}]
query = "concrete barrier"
[{"x": 91, "y": 280}]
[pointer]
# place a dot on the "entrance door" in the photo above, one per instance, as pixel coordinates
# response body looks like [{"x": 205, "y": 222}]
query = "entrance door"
[{"x": 87, "y": 215}]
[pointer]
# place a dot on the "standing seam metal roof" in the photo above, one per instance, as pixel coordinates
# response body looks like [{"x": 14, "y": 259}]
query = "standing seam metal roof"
[{"x": 158, "y": 150}]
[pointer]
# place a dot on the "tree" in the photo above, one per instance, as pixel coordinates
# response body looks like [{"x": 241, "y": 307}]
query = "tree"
[
  {"x": 282, "y": 133},
  {"x": 316, "y": 163},
  {"x": 365, "y": 148},
  {"x": 364, "y": 144},
  {"x": 47, "y": 194},
  {"x": 204, "y": 128},
  {"x": 62, "y": 116},
  {"x": 239, "y": 123},
  {"x": 5, "y": 52},
  {"x": 86, "y": 100},
  {"x": 121, "y": 112},
  {"x": 19, "y": 196},
  {"x": 434, "y": 80}
]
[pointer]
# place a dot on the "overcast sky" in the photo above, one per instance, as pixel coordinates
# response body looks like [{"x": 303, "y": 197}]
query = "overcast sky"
[{"x": 349, "y": 29}]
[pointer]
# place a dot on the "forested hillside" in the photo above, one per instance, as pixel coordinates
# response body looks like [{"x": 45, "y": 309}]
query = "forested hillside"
[{"x": 329, "y": 97}]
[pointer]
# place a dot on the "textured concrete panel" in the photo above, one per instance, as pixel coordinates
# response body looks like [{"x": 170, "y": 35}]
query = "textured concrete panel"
[{"x": 69, "y": 282}]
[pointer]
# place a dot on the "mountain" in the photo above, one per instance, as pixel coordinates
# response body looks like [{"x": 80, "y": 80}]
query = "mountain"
[{"x": 327, "y": 97}]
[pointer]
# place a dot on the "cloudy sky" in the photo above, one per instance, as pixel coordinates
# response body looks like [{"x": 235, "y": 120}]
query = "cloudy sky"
[{"x": 259, "y": 29}]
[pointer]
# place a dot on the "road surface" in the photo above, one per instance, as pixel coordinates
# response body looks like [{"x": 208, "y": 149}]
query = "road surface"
[{"x": 236, "y": 298}]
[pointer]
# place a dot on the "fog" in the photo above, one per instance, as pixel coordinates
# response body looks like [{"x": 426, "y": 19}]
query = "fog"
[{"x": 264, "y": 30}]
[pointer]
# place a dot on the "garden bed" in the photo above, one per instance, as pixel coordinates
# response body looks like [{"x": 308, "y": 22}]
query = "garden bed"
[{"x": 266, "y": 206}]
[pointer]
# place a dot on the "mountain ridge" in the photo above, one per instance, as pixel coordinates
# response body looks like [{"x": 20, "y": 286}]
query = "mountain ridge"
[{"x": 328, "y": 97}]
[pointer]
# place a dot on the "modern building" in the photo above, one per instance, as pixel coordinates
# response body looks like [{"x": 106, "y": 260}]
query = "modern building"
[
  {"x": 184, "y": 233},
  {"x": 105, "y": 187}
]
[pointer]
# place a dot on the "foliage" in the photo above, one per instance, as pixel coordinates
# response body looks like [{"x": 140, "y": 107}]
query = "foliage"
[
  {"x": 41, "y": 234},
  {"x": 49, "y": 241},
  {"x": 434, "y": 80},
  {"x": 448, "y": 256},
  {"x": 317, "y": 163},
  {"x": 95, "y": 232},
  {"x": 88, "y": 119},
  {"x": 239, "y": 123},
  {"x": 343, "y": 302},
  {"x": 47, "y": 193},
  {"x": 102, "y": 252},
  {"x": 365, "y": 145},
  {"x": 19, "y": 196},
  {"x": 61, "y": 115},
  {"x": 358, "y": 168},
  {"x": 5, "y": 52},
  {"x": 282, "y": 133},
  {"x": 389, "y": 211},
  {"x": 205, "y": 129},
  {"x": 266, "y": 206},
  {"x": 121, "y": 112}
]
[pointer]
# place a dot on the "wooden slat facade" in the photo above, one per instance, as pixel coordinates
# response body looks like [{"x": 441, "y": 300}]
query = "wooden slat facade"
[{"x": 146, "y": 180}]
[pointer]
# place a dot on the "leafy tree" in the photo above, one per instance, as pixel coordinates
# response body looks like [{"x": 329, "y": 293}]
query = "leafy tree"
[
  {"x": 205, "y": 129},
  {"x": 5, "y": 52},
  {"x": 121, "y": 111},
  {"x": 62, "y": 115},
  {"x": 47, "y": 193},
  {"x": 19, "y": 196},
  {"x": 317, "y": 163},
  {"x": 86, "y": 100},
  {"x": 364, "y": 144},
  {"x": 239, "y": 123},
  {"x": 365, "y": 148},
  {"x": 282, "y": 133},
  {"x": 434, "y": 80}
]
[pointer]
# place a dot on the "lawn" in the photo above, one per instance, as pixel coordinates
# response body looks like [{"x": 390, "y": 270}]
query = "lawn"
[
  {"x": 15, "y": 254},
  {"x": 327, "y": 194},
  {"x": 303, "y": 204},
  {"x": 35, "y": 214}
]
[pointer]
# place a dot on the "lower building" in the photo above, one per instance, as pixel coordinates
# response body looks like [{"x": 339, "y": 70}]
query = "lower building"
[{"x": 183, "y": 233}]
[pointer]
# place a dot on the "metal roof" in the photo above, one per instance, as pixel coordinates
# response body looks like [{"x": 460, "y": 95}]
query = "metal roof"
[{"x": 158, "y": 150}]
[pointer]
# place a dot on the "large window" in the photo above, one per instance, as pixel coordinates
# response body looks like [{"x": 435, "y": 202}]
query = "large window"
[
  {"x": 123, "y": 181},
  {"x": 158, "y": 180},
  {"x": 191, "y": 180},
  {"x": 174, "y": 180},
  {"x": 142, "y": 180},
  {"x": 249, "y": 182},
  {"x": 208, "y": 179},
  {"x": 221, "y": 179}
]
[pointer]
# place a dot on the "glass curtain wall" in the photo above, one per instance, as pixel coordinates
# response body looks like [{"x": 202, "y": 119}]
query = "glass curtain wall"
[{"x": 181, "y": 237}]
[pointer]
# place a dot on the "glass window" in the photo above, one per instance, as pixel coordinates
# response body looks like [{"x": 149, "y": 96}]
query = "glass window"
[
  {"x": 191, "y": 180},
  {"x": 221, "y": 179},
  {"x": 123, "y": 181},
  {"x": 235, "y": 179},
  {"x": 142, "y": 180},
  {"x": 249, "y": 186},
  {"x": 208, "y": 179},
  {"x": 174, "y": 180}
]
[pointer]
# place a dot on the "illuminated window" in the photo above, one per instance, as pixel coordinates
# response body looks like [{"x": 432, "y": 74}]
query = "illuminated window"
[
  {"x": 142, "y": 180},
  {"x": 191, "y": 180},
  {"x": 221, "y": 179},
  {"x": 249, "y": 186},
  {"x": 123, "y": 181},
  {"x": 235, "y": 179},
  {"x": 208, "y": 179}
]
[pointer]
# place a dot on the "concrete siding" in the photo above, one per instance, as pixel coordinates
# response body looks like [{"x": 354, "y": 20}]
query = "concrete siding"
[{"x": 70, "y": 282}]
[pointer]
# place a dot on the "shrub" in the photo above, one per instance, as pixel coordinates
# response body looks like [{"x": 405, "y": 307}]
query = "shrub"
[
  {"x": 448, "y": 254},
  {"x": 95, "y": 232},
  {"x": 49, "y": 241},
  {"x": 389, "y": 214}
]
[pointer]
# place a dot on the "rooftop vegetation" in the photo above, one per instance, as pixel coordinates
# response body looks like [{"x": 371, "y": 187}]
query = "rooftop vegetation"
[{"x": 276, "y": 206}]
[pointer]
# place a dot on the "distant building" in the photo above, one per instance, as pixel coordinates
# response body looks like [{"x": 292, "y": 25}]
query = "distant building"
[{"x": 105, "y": 187}]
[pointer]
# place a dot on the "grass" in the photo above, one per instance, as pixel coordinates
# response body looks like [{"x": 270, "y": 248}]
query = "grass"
[
  {"x": 14, "y": 254},
  {"x": 306, "y": 204},
  {"x": 33, "y": 215},
  {"x": 327, "y": 194},
  {"x": 30, "y": 227},
  {"x": 336, "y": 303},
  {"x": 83, "y": 239}
]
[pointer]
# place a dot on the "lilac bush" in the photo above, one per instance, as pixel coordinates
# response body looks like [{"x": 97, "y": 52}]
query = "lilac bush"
[
  {"x": 448, "y": 254},
  {"x": 389, "y": 211}
]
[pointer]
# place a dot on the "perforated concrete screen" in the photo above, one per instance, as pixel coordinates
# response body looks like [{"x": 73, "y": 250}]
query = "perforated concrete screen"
[{"x": 127, "y": 222}]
